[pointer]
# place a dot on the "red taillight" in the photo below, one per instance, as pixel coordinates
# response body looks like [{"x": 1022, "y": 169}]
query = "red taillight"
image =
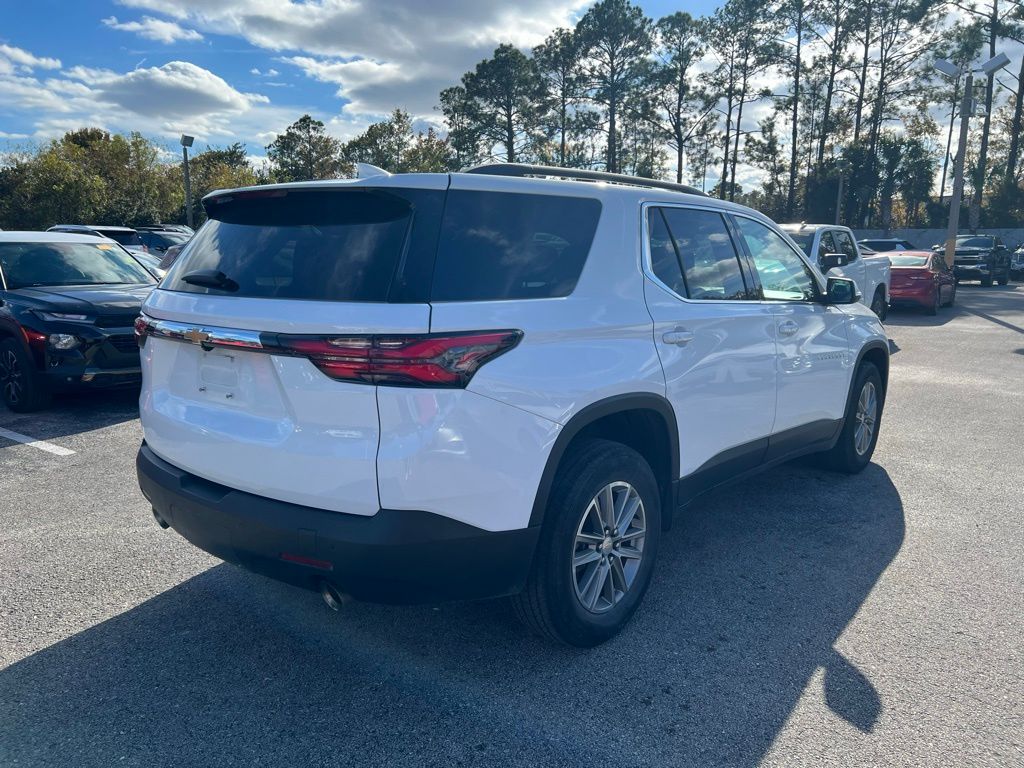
[
  {"x": 441, "y": 360},
  {"x": 141, "y": 330}
]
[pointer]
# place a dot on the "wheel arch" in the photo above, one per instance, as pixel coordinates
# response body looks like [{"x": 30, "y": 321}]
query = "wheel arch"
[
  {"x": 644, "y": 421},
  {"x": 876, "y": 353}
]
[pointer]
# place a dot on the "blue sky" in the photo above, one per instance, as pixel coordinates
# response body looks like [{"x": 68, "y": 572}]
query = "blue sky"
[{"x": 230, "y": 70}]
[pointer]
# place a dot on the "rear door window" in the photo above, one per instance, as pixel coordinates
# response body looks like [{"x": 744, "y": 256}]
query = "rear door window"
[
  {"x": 500, "y": 245},
  {"x": 664, "y": 259},
  {"x": 711, "y": 265},
  {"x": 329, "y": 245}
]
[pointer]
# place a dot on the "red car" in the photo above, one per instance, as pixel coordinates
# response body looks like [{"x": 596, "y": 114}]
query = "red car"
[{"x": 922, "y": 279}]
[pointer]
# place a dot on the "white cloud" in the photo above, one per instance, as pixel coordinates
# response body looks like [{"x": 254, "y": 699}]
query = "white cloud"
[
  {"x": 178, "y": 89},
  {"x": 381, "y": 55},
  {"x": 14, "y": 60},
  {"x": 160, "y": 102},
  {"x": 269, "y": 73},
  {"x": 154, "y": 29}
]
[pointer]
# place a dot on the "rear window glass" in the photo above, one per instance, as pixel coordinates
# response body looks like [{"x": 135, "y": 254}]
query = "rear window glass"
[
  {"x": 124, "y": 238},
  {"x": 301, "y": 244},
  {"x": 164, "y": 239},
  {"x": 499, "y": 245},
  {"x": 903, "y": 260},
  {"x": 804, "y": 239}
]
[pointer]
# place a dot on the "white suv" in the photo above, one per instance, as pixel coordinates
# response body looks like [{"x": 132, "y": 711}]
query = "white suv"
[{"x": 425, "y": 387}]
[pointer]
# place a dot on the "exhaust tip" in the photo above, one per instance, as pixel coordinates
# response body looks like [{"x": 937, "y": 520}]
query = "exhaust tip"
[
  {"x": 332, "y": 597},
  {"x": 159, "y": 520}
]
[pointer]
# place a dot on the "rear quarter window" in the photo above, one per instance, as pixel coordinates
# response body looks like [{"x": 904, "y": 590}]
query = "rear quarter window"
[{"x": 500, "y": 245}]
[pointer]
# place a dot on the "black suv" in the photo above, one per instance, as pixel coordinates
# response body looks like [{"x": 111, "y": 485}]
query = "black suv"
[
  {"x": 68, "y": 305},
  {"x": 980, "y": 257}
]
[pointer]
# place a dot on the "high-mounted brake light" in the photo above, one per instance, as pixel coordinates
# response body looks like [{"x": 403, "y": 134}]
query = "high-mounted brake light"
[{"x": 435, "y": 360}]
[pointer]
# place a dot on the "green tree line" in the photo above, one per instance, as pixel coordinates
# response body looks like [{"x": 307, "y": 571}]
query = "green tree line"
[{"x": 834, "y": 104}]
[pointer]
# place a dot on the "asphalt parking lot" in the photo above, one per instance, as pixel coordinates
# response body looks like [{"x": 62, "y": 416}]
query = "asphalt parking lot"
[{"x": 801, "y": 618}]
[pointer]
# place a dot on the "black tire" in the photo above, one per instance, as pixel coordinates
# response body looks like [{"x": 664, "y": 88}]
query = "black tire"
[
  {"x": 936, "y": 303},
  {"x": 844, "y": 455},
  {"x": 987, "y": 281},
  {"x": 879, "y": 305},
  {"x": 952, "y": 297},
  {"x": 1005, "y": 279},
  {"x": 20, "y": 385},
  {"x": 552, "y": 604}
]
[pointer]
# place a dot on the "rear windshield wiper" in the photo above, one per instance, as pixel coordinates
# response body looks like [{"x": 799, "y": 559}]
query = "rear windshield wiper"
[{"x": 210, "y": 278}]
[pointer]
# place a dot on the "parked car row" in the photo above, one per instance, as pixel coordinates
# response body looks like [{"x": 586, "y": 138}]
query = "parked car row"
[
  {"x": 68, "y": 302},
  {"x": 147, "y": 244},
  {"x": 923, "y": 279}
]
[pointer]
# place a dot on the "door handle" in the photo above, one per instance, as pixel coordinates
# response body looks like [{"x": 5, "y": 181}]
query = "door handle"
[
  {"x": 680, "y": 337},
  {"x": 788, "y": 328}
]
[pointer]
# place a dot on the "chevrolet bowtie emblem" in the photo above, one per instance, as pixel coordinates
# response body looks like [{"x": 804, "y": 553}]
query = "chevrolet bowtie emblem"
[{"x": 196, "y": 336}]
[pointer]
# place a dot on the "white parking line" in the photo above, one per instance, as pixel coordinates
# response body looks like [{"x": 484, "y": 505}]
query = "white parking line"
[{"x": 42, "y": 445}]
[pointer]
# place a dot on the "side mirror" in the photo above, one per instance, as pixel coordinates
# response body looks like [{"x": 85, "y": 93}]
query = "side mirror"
[
  {"x": 841, "y": 290},
  {"x": 832, "y": 260}
]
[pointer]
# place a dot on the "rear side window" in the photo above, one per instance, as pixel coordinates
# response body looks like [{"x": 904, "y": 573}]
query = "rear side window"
[
  {"x": 845, "y": 244},
  {"x": 498, "y": 245},
  {"x": 330, "y": 245},
  {"x": 710, "y": 263}
]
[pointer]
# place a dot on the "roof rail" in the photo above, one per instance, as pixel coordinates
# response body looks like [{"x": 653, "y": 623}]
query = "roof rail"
[{"x": 580, "y": 174}]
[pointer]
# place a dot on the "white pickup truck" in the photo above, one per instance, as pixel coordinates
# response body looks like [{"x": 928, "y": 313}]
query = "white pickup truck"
[{"x": 837, "y": 253}]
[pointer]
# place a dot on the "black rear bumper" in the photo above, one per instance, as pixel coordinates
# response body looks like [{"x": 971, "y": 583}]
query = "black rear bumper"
[{"x": 394, "y": 556}]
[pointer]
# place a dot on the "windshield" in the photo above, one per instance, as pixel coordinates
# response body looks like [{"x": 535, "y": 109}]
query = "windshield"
[
  {"x": 903, "y": 260},
  {"x": 26, "y": 265},
  {"x": 803, "y": 239},
  {"x": 970, "y": 241}
]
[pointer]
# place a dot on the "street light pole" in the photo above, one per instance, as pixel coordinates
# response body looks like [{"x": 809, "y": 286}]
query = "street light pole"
[
  {"x": 186, "y": 142},
  {"x": 958, "y": 170},
  {"x": 949, "y": 69}
]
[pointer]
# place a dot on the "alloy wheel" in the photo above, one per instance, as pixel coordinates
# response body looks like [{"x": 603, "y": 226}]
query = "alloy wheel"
[
  {"x": 866, "y": 417},
  {"x": 11, "y": 384},
  {"x": 608, "y": 547}
]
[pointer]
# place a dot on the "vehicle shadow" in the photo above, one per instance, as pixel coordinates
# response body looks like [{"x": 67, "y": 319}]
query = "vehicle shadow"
[
  {"x": 71, "y": 414},
  {"x": 753, "y": 588}
]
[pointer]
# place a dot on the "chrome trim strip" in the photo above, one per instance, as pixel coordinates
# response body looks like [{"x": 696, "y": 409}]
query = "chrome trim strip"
[{"x": 206, "y": 336}]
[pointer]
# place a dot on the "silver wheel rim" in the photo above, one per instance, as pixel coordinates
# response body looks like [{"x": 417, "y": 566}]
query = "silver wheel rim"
[
  {"x": 608, "y": 547},
  {"x": 866, "y": 417},
  {"x": 10, "y": 377}
]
